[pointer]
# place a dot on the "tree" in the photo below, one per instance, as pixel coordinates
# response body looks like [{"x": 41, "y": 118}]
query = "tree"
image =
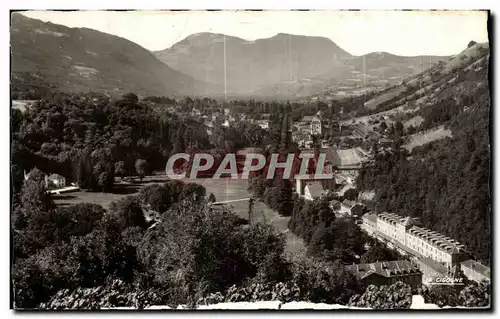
[
  {"x": 441, "y": 295},
  {"x": 476, "y": 295},
  {"x": 396, "y": 296},
  {"x": 100, "y": 254},
  {"x": 198, "y": 248},
  {"x": 322, "y": 282},
  {"x": 192, "y": 192},
  {"x": 211, "y": 198},
  {"x": 141, "y": 168},
  {"x": 257, "y": 186},
  {"x": 378, "y": 253},
  {"x": 34, "y": 196},
  {"x": 120, "y": 168},
  {"x": 156, "y": 197},
  {"x": 128, "y": 212},
  {"x": 322, "y": 240},
  {"x": 398, "y": 129},
  {"x": 131, "y": 97},
  {"x": 351, "y": 194},
  {"x": 104, "y": 181}
]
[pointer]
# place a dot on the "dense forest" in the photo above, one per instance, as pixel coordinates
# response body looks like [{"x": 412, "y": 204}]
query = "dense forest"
[{"x": 90, "y": 138}]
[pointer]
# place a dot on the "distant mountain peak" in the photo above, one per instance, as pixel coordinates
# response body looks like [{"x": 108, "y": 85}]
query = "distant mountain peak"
[{"x": 471, "y": 43}]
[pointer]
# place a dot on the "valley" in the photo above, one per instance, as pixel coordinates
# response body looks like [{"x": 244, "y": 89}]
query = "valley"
[{"x": 369, "y": 182}]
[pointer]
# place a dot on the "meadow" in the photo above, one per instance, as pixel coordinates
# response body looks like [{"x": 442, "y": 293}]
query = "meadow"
[{"x": 223, "y": 190}]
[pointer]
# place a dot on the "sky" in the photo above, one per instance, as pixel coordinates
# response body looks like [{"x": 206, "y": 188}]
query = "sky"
[{"x": 407, "y": 33}]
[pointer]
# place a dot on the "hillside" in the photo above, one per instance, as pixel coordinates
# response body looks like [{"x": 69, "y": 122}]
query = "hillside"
[
  {"x": 385, "y": 66},
  {"x": 252, "y": 64},
  {"x": 372, "y": 72},
  {"x": 445, "y": 180},
  {"x": 81, "y": 59}
]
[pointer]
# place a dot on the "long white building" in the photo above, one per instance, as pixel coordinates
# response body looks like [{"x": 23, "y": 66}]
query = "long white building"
[
  {"x": 405, "y": 235},
  {"x": 436, "y": 254}
]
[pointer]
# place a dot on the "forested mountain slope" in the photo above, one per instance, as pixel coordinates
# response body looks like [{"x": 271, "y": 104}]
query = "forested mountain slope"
[{"x": 444, "y": 183}]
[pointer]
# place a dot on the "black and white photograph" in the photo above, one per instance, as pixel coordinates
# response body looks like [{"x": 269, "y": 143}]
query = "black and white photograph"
[{"x": 189, "y": 160}]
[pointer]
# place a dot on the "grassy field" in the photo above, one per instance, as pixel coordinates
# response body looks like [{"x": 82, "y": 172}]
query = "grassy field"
[
  {"x": 373, "y": 103},
  {"x": 351, "y": 156},
  {"x": 227, "y": 189},
  {"x": 428, "y": 136},
  {"x": 103, "y": 199},
  {"x": 223, "y": 189}
]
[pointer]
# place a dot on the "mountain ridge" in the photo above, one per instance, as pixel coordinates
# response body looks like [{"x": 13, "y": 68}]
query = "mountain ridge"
[
  {"x": 79, "y": 59},
  {"x": 286, "y": 65},
  {"x": 250, "y": 64}
]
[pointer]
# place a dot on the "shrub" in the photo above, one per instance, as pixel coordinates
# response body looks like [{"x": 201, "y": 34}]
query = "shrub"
[{"x": 396, "y": 296}]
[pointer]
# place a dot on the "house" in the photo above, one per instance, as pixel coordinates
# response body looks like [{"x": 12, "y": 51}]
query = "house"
[
  {"x": 388, "y": 273},
  {"x": 263, "y": 124},
  {"x": 345, "y": 207},
  {"x": 351, "y": 208},
  {"x": 55, "y": 180},
  {"x": 308, "y": 187},
  {"x": 475, "y": 271},
  {"x": 209, "y": 126},
  {"x": 196, "y": 112},
  {"x": 313, "y": 190},
  {"x": 315, "y": 126}
]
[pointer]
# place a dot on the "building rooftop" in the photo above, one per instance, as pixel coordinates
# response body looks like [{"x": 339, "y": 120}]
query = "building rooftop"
[
  {"x": 436, "y": 266},
  {"x": 370, "y": 217},
  {"x": 478, "y": 267},
  {"x": 348, "y": 203},
  {"x": 55, "y": 177},
  {"x": 315, "y": 188},
  {"x": 437, "y": 240},
  {"x": 392, "y": 218},
  {"x": 384, "y": 268}
]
